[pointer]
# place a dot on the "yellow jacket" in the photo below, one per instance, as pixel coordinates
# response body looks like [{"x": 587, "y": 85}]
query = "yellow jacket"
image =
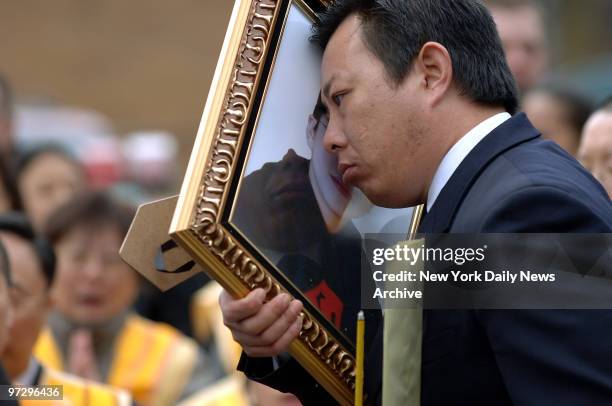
[
  {"x": 152, "y": 361},
  {"x": 79, "y": 392}
]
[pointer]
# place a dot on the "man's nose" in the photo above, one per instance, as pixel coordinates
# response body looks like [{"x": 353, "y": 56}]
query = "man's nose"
[{"x": 333, "y": 139}]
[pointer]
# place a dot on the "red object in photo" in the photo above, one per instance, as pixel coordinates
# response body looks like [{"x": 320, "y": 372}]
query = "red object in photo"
[{"x": 327, "y": 301}]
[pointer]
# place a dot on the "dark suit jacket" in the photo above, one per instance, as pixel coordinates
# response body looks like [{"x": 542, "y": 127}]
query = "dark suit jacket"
[
  {"x": 5, "y": 381},
  {"x": 512, "y": 181}
]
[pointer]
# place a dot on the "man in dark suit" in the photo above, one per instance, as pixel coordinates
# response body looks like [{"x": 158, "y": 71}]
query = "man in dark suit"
[{"x": 420, "y": 100}]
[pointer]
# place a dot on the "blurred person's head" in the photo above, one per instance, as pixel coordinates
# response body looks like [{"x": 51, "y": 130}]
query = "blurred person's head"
[
  {"x": 47, "y": 176},
  {"x": 521, "y": 26},
  {"x": 32, "y": 265},
  {"x": 336, "y": 200},
  {"x": 6, "y": 117},
  {"x": 595, "y": 150},
  {"x": 6, "y": 310},
  {"x": 93, "y": 285},
  {"x": 560, "y": 113}
]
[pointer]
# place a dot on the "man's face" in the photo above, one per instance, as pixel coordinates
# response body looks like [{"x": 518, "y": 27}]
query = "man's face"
[
  {"x": 375, "y": 126},
  {"x": 30, "y": 301},
  {"x": 92, "y": 284},
  {"x": 522, "y": 33},
  {"x": 595, "y": 151}
]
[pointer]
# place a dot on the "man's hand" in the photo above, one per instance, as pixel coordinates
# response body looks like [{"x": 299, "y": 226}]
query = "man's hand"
[{"x": 262, "y": 329}]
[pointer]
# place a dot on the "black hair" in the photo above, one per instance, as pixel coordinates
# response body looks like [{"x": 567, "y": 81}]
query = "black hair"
[
  {"x": 17, "y": 223},
  {"x": 396, "y": 30},
  {"x": 29, "y": 155},
  {"x": 90, "y": 209}
]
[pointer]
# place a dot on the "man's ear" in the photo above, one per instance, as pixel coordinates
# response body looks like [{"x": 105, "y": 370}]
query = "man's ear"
[
  {"x": 436, "y": 66},
  {"x": 311, "y": 130}
]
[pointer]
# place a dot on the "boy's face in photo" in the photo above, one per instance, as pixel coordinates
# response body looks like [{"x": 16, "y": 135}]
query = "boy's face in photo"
[
  {"x": 323, "y": 171},
  {"x": 336, "y": 200}
]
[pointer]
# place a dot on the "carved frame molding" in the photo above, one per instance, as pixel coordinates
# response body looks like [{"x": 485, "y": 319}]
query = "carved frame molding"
[{"x": 197, "y": 225}]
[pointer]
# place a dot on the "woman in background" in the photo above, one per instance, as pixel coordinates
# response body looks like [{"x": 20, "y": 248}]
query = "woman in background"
[
  {"x": 47, "y": 177},
  {"x": 93, "y": 332}
]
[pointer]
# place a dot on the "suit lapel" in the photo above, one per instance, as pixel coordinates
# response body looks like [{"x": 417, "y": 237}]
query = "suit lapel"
[{"x": 511, "y": 133}]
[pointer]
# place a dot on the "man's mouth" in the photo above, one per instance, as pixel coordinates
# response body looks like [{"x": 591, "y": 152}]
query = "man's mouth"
[
  {"x": 347, "y": 171},
  {"x": 342, "y": 188}
]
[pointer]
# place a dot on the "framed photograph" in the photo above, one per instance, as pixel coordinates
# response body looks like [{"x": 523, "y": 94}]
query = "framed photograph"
[{"x": 262, "y": 204}]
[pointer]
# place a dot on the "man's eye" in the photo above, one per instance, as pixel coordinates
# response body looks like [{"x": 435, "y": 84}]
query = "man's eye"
[{"x": 338, "y": 99}]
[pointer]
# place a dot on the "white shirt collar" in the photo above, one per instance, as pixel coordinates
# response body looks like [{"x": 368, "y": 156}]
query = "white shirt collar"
[{"x": 458, "y": 152}]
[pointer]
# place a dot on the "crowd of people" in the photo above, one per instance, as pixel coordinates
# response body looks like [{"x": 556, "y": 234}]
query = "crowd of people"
[{"x": 73, "y": 313}]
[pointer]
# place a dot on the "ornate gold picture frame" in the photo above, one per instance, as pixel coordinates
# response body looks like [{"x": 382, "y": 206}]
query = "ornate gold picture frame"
[{"x": 228, "y": 146}]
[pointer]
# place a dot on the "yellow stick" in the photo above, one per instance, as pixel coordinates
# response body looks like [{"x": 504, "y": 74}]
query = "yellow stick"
[{"x": 360, "y": 354}]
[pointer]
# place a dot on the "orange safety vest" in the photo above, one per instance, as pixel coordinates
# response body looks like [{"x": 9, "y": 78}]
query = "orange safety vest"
[
  {"x": 152, "y": 361},
  {"x": 79, "y": 392}
]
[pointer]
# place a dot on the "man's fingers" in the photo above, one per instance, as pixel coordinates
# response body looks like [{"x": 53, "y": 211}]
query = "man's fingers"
[
  {"x": 281, "y": 345},
  {"x": 235, "y": 310},
  {"x": 283, "y": 323},
  {"x": 274, "y": 332},
  {"x": 262, "y": 329},
  {"x": 268, "y": 315}
]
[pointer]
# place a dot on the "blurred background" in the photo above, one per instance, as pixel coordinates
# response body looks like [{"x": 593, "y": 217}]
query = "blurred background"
[
  {"x": 113, "y": 78},
  {"x": 580, "y": 38}
]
